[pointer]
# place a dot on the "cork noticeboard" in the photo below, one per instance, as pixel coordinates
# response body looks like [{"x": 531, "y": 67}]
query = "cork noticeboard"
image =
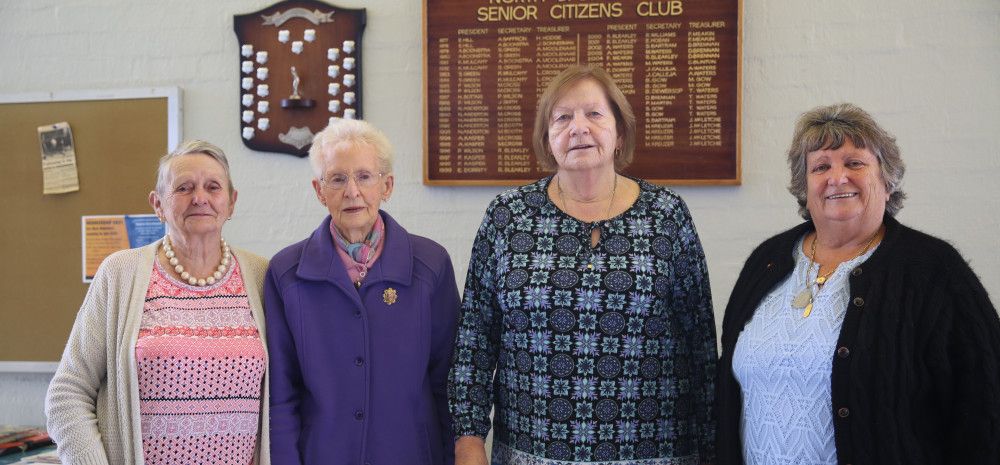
[
  {"x": 119, "y": 136},
  {"x": 487, "y": 63}
]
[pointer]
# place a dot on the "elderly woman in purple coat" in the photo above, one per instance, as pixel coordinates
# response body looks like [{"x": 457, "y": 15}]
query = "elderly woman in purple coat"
[{"x": 361, "y": 316}]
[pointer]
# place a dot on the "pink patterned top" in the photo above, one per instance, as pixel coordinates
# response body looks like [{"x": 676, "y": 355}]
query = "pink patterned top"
[{"x": 200, "y": 364}]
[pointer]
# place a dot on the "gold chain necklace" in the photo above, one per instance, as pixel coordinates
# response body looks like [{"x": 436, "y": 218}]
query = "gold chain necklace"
[
  {"x": 821, "y": 279},
  {"x": 804, "y": 299},
  {"x": 611, "y": 201},
  {"x": 587, "y": 258}
]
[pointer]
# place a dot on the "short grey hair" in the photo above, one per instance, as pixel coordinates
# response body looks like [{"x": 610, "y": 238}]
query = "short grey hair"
[
  {"x": 192, "y": 147},
  {"x": 356, "y": 132},
  {"x": 827, "y": 128}
]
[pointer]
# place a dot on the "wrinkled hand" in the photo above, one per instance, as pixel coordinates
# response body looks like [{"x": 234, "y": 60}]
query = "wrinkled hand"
[{"x": 470, "y": 450}]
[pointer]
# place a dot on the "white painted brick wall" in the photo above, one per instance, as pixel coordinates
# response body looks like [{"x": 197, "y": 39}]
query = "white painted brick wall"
[{"x": 928, "y": 71}]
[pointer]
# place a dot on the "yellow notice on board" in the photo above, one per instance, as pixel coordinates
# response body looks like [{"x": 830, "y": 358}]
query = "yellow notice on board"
[
  {"x": 59, "y": 173},
  {"x": 103, "y": 235}
]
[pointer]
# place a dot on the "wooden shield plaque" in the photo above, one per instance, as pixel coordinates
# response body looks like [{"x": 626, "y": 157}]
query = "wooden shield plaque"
[
  {"x": 487, "y": 63},
  {"x": 299, "y": 66}
]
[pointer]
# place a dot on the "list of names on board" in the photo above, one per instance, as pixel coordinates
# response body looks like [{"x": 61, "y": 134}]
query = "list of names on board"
[{"x": 488, "y": 62}]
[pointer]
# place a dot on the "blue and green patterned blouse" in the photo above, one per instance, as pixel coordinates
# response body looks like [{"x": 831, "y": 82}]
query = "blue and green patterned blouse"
[{"x": 603, "y": 354}]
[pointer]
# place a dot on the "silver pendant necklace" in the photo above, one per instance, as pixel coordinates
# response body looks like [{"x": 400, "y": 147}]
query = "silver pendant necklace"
[{"x": 364, "y": 268}]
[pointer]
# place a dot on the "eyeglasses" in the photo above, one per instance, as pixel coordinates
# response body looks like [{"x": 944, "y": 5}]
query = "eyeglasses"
[{"x": 363, "y": 179}]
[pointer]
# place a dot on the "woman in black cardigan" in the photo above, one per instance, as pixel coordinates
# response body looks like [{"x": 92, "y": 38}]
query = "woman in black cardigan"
[{"x": 852, "y": 339}]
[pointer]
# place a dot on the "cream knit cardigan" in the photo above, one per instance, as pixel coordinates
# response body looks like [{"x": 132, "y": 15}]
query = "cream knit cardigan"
[{"x": 92, "y": 403}]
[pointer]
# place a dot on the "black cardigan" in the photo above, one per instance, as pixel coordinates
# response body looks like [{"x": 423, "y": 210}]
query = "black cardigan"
[{"x": 916, "y": 373}]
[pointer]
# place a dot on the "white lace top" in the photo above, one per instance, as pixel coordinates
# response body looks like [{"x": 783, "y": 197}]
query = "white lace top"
[{"x": 783, "y": 362}]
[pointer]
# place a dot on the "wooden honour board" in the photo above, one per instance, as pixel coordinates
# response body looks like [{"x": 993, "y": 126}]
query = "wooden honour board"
[
  {"x": 312, "y": 112},
  {"x": 488, "y": 61},
  {"x": 118, "y": 142}
]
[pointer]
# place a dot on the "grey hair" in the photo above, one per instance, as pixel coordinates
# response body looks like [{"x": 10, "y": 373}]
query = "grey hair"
[
  {"x": 826, "y": 128},
  {"x": 192, "y": 147},
  {"x": 356, "y": 132}
]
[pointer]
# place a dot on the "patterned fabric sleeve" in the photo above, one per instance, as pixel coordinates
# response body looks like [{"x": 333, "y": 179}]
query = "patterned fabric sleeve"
[
  {"x": 694, "y": 299},
  {"x": 690, "y": 304},
  {"x": 470, "y": 382}
]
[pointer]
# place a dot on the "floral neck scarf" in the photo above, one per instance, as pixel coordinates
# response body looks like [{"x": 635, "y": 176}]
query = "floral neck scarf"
[{"x": 361, "y": 252}]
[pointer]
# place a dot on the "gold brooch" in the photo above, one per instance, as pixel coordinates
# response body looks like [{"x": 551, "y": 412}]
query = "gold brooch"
[{"x": 389, "y": 296}]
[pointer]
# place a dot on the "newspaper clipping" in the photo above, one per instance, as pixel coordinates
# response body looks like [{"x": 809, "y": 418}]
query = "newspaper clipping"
[{"x": 59, "y": 173}]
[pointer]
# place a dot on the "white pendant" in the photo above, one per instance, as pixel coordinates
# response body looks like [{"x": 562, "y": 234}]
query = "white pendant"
[{"x": 802, "y": 298}]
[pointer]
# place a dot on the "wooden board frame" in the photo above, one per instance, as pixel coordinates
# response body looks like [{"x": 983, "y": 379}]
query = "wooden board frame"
[
  {"x": 735, "y": 179},
  {"x": 171, "y": 94}
]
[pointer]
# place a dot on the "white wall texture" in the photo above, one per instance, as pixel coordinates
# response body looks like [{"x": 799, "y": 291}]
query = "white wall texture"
[{"x": 927, "y": 70}]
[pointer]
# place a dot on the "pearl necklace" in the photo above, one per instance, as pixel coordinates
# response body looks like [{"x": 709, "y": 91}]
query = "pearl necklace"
[{"x": 227, "y": 255}]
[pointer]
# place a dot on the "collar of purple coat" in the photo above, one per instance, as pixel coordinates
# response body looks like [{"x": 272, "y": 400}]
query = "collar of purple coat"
[{"x": 319, "y": 260}]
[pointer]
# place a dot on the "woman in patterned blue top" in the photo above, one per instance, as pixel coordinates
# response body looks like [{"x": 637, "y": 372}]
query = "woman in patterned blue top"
[{"x": 588, "y": 294}]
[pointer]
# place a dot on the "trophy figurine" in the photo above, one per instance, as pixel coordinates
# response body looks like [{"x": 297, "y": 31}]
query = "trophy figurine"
[
  {"x": 295, "y": 100},
  {"x": 295, "y": 85}
]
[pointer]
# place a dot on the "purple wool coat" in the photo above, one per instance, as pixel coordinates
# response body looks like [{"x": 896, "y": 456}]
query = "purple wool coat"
[{"x": 359, "y": 376}]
